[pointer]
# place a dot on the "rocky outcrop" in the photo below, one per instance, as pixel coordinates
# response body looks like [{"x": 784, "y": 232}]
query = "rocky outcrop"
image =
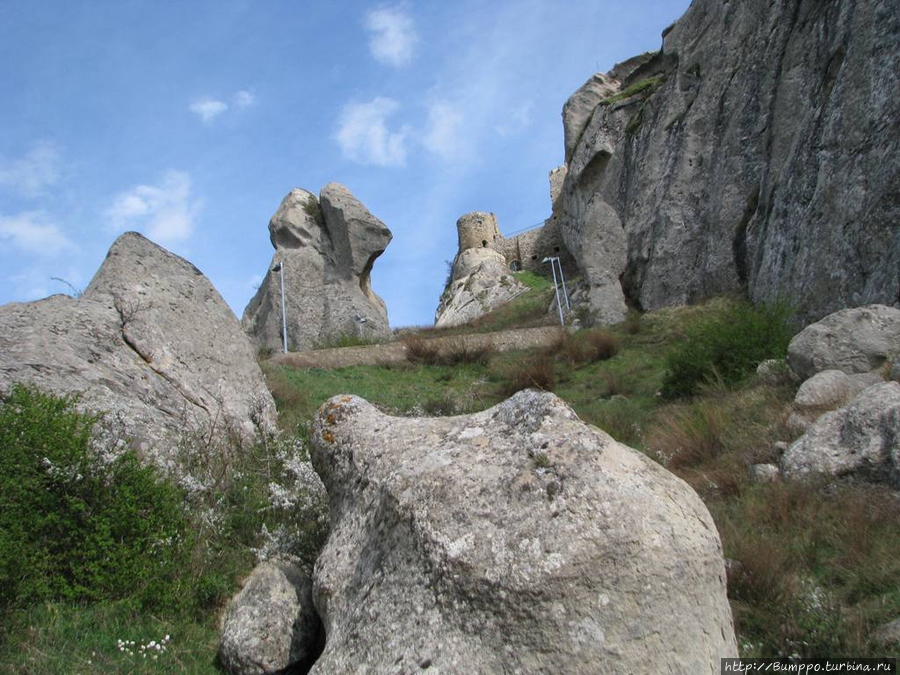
[
  {"x": 151, "y": 343},
  {"x": 862, "y": 439},
  {"x": 325, "y": 248},
  {"x": 271, "y": 623},
  {"x": 855, "y": 340},
  {"x": 756, "y": 151},
  {"x": 517, "y": 539},
  {"x": 480, "y": 279}
]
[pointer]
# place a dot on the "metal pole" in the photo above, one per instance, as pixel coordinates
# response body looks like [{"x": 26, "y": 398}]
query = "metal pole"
[
  {"x": 565, "y": 291},
  {"x": 556, "y": 288},
  {"x": 283, "y": 314}
]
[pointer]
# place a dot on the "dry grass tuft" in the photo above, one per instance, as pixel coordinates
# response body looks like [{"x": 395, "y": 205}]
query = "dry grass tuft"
[
  {"x": 452, "y": 351},
  {"x": 588, "y": 346},
  {"x": 537, "y": 372}
]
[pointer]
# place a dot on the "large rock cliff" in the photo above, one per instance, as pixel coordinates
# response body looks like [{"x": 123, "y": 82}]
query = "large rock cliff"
[
  {"x": 756, "y": 151},
  {"x": 324, "y": 251}
]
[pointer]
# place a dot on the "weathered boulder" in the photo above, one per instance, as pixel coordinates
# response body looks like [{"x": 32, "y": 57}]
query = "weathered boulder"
[
  {"x": 271, "y": 623},
  {"x": 150, "y": 342},
  {"x": 740, "y": 157},
  {"x": 324, "y": 250},
  {"x": 862, "y": 439},
  {"x": 824, "y": 391},
  {"x": 480, "y": 282},
  {"x": 855, "y": 340},
  {"x": 517, "y": 539}
]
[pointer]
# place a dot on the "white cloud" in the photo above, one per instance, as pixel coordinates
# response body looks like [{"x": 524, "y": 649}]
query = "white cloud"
[
  {"x": 444, "y": 133},
  {"x": 364, "y": 137},
  {"x": 32, "y": 232},
  {"x": 165, "y": 212},
  {"x": 392, "y": 35},
  {"x": 244, "y": 99},
  {"x": 208, "y": 109},
  {"x": 30, "y": 175}
]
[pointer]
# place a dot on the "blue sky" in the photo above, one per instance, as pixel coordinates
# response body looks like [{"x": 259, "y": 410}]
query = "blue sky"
[{"x": 190, "y": 121}]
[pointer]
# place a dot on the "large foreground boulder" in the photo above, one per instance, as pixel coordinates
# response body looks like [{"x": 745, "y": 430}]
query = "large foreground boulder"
[
  {"x": 325, "y": 248},
  {"x": 517, "y": 539},
  {"x": 151, "y": 342}
]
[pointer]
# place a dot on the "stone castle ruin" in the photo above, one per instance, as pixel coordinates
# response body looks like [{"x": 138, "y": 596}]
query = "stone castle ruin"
[
  {"x": 480, "y": 278},
  {"x": 528, "y": 248}
]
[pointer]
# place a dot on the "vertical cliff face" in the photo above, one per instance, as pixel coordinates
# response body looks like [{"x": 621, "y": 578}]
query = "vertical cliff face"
[{"x": 756, "y": 151}]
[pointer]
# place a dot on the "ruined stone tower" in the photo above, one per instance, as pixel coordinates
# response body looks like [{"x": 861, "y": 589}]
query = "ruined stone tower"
[{"x": 477, "y": 230}]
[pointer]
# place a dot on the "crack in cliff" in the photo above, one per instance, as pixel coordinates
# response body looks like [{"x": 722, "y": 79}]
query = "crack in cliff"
[
  {"x": 127, "y": 312},
  {"x": 767, "y": 199}
]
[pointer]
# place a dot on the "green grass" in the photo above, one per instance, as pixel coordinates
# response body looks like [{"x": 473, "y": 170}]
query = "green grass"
[
  {"x": 646, "y": 85},
  {"x": 397, "y": 389},
  {"x": 64, "y": 639}
]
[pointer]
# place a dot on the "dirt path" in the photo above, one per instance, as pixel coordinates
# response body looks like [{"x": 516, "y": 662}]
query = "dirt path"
[{"x": 395, "y": 352}]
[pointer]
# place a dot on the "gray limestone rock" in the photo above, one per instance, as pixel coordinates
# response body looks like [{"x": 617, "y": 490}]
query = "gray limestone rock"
[
  {"x": 862, "y": 439},
  {"x": 271, "y": 623},
  {"x": 774, "y": 372},
  {"x": 756, "y": 152},
  {"x": 856, "y": 340},
  {"x": 764, "y": 473},
  {"x": 480, "y": 282},
  {"x": 325, "y": 249},
  {"x": 150, "y": 342},
  {"x": 517, "y": 539},
  {"x": 888, "y": 635},
  {"x": 827, "y": 389}
]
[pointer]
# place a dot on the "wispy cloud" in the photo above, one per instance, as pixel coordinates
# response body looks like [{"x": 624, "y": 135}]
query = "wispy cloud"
[
  {"x": 364, "y": 136},
  {"x": 164, "y": 212},
  {"x": 244, "y": 99},
  {"x": 444, "y": 132},
  {"x": 208, "y": 109},
  {"x": 30, "y": 175},
  {"x": 518, "y": 119},
  {"x": 392, "y": 35},
  {"x": 33, "y": 233}
]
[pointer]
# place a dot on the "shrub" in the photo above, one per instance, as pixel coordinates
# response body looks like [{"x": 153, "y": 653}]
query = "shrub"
[
  {"x": 727, "y": 345},
  {"x": 75, "y": 524},
  {"x": 421, "y": 349}
]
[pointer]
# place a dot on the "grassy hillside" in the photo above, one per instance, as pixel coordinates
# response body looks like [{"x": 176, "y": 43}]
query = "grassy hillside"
[{"x": 812, "y": 568}]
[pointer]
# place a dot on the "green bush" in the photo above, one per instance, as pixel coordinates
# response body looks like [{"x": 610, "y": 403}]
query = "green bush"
[
  {"x": 75, "y": 525},
  {"x": 727, "y": 346}
]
